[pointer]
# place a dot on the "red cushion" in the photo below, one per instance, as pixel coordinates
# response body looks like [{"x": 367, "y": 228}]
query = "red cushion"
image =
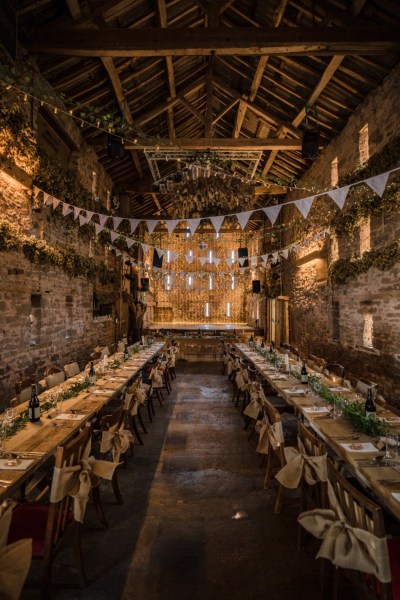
[{"x": 29, "y": 521}]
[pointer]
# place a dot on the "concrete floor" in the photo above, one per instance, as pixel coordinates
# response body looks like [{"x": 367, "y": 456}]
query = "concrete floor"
[{"x": 175, "y": 536}]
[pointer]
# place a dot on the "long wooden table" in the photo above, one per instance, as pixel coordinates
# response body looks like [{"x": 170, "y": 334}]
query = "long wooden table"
[
  {"x": 337, "y": 432},
  {"x": 45, "y": 435}
]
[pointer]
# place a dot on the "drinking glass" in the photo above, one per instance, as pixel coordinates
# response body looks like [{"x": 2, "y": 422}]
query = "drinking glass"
[
  {"x": 391, "y": 446},
  {"x": 337, "y": 409},
  {"x": 3, "y": 434}
]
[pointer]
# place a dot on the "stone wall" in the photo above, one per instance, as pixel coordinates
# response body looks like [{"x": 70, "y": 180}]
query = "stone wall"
[{"x": 329, "y": 319}]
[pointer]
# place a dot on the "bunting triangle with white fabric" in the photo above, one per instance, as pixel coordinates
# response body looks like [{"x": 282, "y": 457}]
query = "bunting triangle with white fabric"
[
  {"x": 272, "y": 212},
  {"x": 151, "y": 225},
  {"x": 193, "y": 224},
  {"x": 117, "y": 222},
  {"x": 304, "y": 205},
  {"x": 134, "y": 223},
  {"x": 217, "y": 222},
  {"x": 243, "y": 218},
  {"x": 378, "y": 183},
  {"x": 171, "y": 224},
  {"x": 339, "y": 196}
]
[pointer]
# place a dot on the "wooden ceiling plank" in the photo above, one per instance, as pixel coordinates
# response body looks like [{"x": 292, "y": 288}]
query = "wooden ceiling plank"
[
  {"x": 193, "y": 110},
  {"x": 209, "y": 90},
  {"x": 74, "y": 9},
  {"x": 250, "y": 144},
  {"x": 240, "y": 114},
  {"x": 228, "y": 41},
  {"x": 223, "y": 112}
]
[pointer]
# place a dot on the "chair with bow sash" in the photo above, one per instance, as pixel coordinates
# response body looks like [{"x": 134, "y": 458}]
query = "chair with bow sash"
[
  {"x": 15, "y": 558},
  {"x": 240, "y": 384},
  {"x": 353, "y": 538},
  {"x": 134, "y": 398},
  {"x": 272, "y": 443},
  {"x": 51, "y": 525}
]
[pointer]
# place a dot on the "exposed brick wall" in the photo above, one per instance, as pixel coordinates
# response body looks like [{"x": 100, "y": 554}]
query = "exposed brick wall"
[{"x": 321, "y": 312}]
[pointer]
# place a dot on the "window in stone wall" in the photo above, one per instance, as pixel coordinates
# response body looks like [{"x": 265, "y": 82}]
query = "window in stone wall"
[
  {"x": 365, "y": 235},
  {"x": 335, "y": 321},
  {"x": 368, "y": 331},
  {"x": 102, "y": 305},
  {"x": 334, "y": 172},
  {"x": 207, "y": 309},
  {"x": 363, "y": 144}
]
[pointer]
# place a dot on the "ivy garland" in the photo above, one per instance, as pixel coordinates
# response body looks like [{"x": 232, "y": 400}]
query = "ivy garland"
[
  {"x": 40, "y": 252},
  {"x": 383, "y": 259}
]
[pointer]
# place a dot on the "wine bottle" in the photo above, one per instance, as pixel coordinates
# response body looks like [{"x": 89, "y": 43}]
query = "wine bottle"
[
  {"x": 34, "y": 406},
  {"x": 304, "y": 373},
  {"x": 370, "y": 407},
  {"x": 92, "y": 374}
]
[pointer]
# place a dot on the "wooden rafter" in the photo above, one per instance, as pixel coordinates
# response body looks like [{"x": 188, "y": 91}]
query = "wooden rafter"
[
  {"x": 74, "y": 9},
  {"x": 162, "y": 12},
  {"x": 220, "y": 144},
  {"x": 327, "y": 75},
  {"x": 209, "y": 90},
  {"x": 193, "y": 110},
  {"x": 312, "y": 41}
]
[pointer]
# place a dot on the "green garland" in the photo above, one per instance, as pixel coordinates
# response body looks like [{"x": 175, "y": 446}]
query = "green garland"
[
  {"x": 383, "y": 259},
  {"x": 40, "y": 252}
]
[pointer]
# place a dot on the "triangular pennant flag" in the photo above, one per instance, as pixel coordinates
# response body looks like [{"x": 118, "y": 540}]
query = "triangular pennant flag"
[
  {"x": 242, "y": 270},
  {"x": 272, "y": 212},
  {"x": 222, "y": 273},
  {"x": 65, "y": 209},
  {"x": 134, "y": 223},
  {"x": 76, "y": 212},
  {"x": 160, "y": 252},
  {"x": 304, "y": 205},
  {"x": 151, "y": 225},
  {"x": 243, "y": 218},
  {"x": 36, "y": 191},
  {"x": 217, "y": 222},
  {"x": 285, "y": 252},
  {"x": 49, "y": 199},
  {"x": 264, "y": 257},
  {"x": 378, "y": 183},
  {"x": 117, "y": 221},
  {"x": 203, "y": 259},
  {"x": 82, "y": 220},
  {"x": 173, "y": 256},
  {"x": 339, "y": 195},
  {"x": 171, "y": 224},
  {"x": 89, "y": 215},
  {"x": 145, "y": 248},
  {"x": 193, "y": 224},
  {"x": 241, "y": 261},
  {"x": 189, "y": 258},
  {"x": 56, "y": 202},
  {"x": 103, "y": 219},
  {"x": 113, "y": 236},
  {"x": 253, "y": 260},
  {"x": 229, "y": 261},
  {"x": 216, "y": 261},
  {"x": 296, "y": 248},
  {"x": 129, "y": 242},
  {"x": 274, "y": 256},
  {"x": 98, "y": 228}
]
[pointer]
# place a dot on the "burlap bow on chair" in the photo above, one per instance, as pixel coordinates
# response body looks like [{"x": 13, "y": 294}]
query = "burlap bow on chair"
[
  {"x": 346, "y": 546},
  {"x": 270, "y": 434},
  {"x": 116, "y": 440},
  {"x": 299, "y": 465},
  {"x": 156, "y": 377},
  {"x": 77, "y": 480},
  {"x": 15, "y": 559},
  {"x": 252, "y": 410}
]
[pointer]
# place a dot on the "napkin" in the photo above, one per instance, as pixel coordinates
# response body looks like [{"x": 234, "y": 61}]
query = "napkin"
[
  {"x": 70, "y": 417},
  {"x": 296, "y": 390},
  {"x": 316, "y": 409},
  {"x": 339, "y": 388},
  {"x": 104, "y": 392},
  {"x": 277, "y": 377},
  {"x": 360, "y": 447},
  {"x": 9, "y": 464}
]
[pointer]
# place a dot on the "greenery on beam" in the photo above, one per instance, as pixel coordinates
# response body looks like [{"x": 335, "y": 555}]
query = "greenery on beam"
[{"x": 383, "y": 259}]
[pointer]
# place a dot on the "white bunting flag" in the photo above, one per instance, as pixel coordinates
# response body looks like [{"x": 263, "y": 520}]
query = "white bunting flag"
[
  {"x": 49, "y": 199},
  {"x": 98, "y": 228},
  {"x": 304, "y": 205},
  {"x": 129, "y": 242},
  {"x": 113, "y": 236},
  {"x": 272, "y": 212},
  {"x": 117, "y": 221},
  {"x": 145, "y": 248},
  {"x": 378, "y": 183},
  {"x": 65, "y": 209},
  {"x": 171, "y": 224},
  {"x": 193, "y": 224},
  {"x": 217, "y": 222},
  {"x": 229, "y": 261},
  {"x": 264, "y": 257},
  {"x": 189, "y": 258},
  {"x": 151, "y": 225},
  {"x": 173, "y": 256},
  {"x": 274, "y": 256},
  {"x": 242, "y": 260},
  {"x": 243, "y": 218},
  {"x": 134, "y": 223},
  {"x": 285, "y": 252},
  {"x": 89, "y": 215},
  {"x": 56, "y": 202},
  {"x": 203, "y": 260},
  {"x": 118, "y": 252},
  {"x": 339, "y": 196},
  {"x": 296, "y": 248},
  {"x": 82, "y": 220},
  {"x": 103, "y": 219},
  {"x": 242, "y": 270},
  {"x": 216, "y": 261},
  {"x": 76, "y": 212},
  {"x": 253, "y": 260}
]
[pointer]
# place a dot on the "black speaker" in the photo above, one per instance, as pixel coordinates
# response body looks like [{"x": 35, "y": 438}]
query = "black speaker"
[
  {"x": 310, "y": 143},
  {"x": 243, "y": 253},
  {"x": 256, "y": 285},
  {"x": 115, "y": 147},
  {"x": 157, "y": 260},
  {"x": 144, "y": 284}
]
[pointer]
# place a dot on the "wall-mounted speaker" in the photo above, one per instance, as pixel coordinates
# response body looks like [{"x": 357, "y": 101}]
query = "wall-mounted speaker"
[
  {"x": 256, "y": 286},
  {"x": 157, "y": 260},
  {"x": 115, "y": 147},
  {"x": 243, "y": 253},
  {"x": 310, "y": 143},
  {"x": 144, "y": 284}
]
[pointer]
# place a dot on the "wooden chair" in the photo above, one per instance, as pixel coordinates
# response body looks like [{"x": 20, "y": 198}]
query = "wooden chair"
[
  {"x": 132, "y": 406},
  {"x": 110, "y": 423},
  {"x": 71, "y": 369},
  {"x": 51, "y": 525},
  {"x": 54, "y": 375},
  {"x": 311, "y": 496},
  {"x": 363, "y": 513},
  {"x": 363, "y": 385}
]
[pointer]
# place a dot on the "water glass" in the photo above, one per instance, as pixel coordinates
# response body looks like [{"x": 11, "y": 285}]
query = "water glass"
[
  {"x": 391, "y": 446},
  {"x": 337, "y": 409}
]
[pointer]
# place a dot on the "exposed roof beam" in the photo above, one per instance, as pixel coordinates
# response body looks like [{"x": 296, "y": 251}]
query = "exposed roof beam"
[
  {"x": 156, "y": 201},
  {"x": 327, "y": 75},
  {"x": 223, "y": 112},
  {"x": 209, "y": 90},
  {"x": 162, "y": 12},
  {"x": 193, "y": 110},
  {"x": 220, "y": 144},
  {"x": 74, "y": 9},
  {"x": 312, "y": 41}
]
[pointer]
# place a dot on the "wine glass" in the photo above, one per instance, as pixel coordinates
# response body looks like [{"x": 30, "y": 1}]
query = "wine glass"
[
  {"x": 391, "y": 447},
  {"x": 3, "y": 434}
]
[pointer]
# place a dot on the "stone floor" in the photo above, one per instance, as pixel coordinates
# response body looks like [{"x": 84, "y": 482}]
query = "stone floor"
[{"x": 196, "y": 522}]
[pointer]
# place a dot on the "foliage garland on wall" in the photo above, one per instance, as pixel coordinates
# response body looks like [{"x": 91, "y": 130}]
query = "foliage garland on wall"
[
  {"x": 383, "y": 259},
  {"x": 41, "y": 253}
]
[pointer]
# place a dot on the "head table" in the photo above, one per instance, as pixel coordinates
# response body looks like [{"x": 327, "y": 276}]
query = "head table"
[
  {"x": 344, "y": 444},
  {"x": 37, "y": 442}
]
